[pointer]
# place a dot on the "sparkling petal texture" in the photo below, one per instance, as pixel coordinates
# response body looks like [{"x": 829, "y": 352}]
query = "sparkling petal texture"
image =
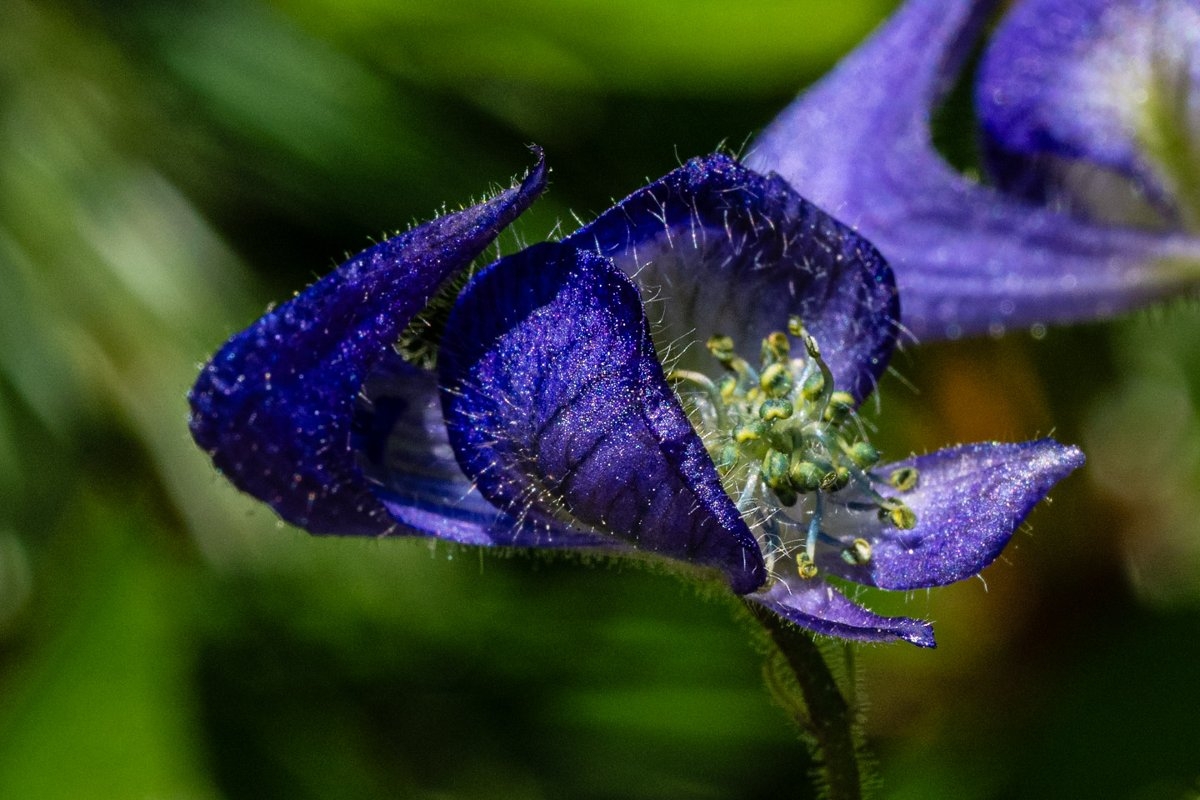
[
  {"x": 405, "y": 454},
  {"x": 558, "y": 409},
  {"x": 718, "y": 248},
  {"x": 968, "y": 259},
  {"x": 1111, "y": 84},
  {"x": 549, "y": 422},
  {"x": 969, "y": 501},
  {"x": 275, "y": 406},
  {"x": 817, "y": 606}
]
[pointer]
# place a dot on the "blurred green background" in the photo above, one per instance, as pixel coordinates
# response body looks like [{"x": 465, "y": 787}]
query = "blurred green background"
[{"x": 166, "y": 171}]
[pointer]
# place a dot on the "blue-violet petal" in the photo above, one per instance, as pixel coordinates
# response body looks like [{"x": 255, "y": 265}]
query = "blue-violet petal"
[
  {"x": 1070, "y": 88},
  {"x": 968, "y": 500},
  {"x": 558, "y": 409},
  {"x": 968, "y": 259},
  {"x": 815, "y": 605},
  {"x": 405, "y": 454}
]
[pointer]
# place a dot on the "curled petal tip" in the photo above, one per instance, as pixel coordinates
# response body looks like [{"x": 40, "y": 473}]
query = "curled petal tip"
[
  {"x": 534, "y": 179},
  {"x": 920, "y": 634}
]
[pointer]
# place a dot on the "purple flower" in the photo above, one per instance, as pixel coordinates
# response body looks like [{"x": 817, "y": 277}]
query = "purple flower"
[
  {"x": 548, "y": 419},
  {"x": 1091, "y": 125}
]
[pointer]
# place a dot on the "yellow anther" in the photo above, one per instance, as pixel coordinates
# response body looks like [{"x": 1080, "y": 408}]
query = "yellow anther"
[
  {"x": 905, "y": 478},
  {"x": 805, "y": 476},
  {"x": 772, "y": 410},
  {"x": 776, "y": 380},
  {"x": 858, "y": 553},
  {"x": 725, "y": 456},
  {"x": 813, "y": 386},
  {"x": 749, "y": 432},
  {"x": 721, "y": 347},
  {"x": 899, "y": 515},
  {"x": 774, "y": 474},
  {"x": 835, "y": 480},
  {"x": 805, "y": 566},
  {"x": 840, "y": 406},
  {"x": 863, "y": 454},
  {"x": 775, "y": 469},
  {"x": 727, "y": 387},
  {"x": 776, "y": 347}
]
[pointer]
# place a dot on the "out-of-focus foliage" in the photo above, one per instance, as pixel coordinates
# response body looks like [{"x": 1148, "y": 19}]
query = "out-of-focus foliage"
[{"x": 167, "y": 170}]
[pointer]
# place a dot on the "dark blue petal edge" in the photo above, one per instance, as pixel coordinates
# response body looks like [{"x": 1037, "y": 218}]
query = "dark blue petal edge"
[
  {"x": 719, "y": 248},
  {"x": 557, "y": 408},
  {"x": 274, "y": 408}
]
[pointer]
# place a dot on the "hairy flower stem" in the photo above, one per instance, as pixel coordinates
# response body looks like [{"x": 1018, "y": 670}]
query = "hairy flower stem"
[{"x": 820, "y": 709}]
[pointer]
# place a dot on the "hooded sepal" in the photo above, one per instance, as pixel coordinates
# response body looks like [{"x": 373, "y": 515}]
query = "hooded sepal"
[
  {"x": 275, "y": 406},
  {"x": 720, "y": 249}
]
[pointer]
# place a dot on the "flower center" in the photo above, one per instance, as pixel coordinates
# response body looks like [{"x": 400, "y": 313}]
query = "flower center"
[{"x": 791, "y": 451}]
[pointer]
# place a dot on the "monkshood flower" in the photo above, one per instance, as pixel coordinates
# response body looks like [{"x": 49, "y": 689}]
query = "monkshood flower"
[
  {"x": 531, "y": 408},
  {"x": 1090, "y": 117}
]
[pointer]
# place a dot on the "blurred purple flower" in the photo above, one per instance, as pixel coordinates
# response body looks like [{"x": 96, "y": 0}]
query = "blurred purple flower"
[
  {"x": 548, "y": 420},
  {"x": 1090, "y": 113}
]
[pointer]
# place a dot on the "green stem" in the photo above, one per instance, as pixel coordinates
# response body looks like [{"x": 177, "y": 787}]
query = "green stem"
[{"x": 823, "y": 712}]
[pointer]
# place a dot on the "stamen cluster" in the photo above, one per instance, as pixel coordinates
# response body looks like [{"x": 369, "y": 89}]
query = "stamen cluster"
[{"x": 783, "y": 433}]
